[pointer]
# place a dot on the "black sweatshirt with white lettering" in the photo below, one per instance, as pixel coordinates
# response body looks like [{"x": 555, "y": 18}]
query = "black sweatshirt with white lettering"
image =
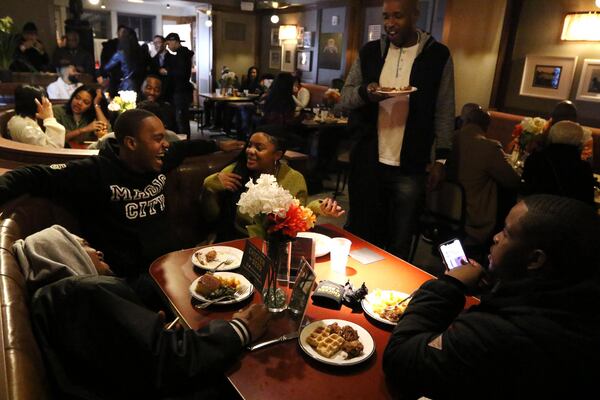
[{"x": 121, "y": 212}]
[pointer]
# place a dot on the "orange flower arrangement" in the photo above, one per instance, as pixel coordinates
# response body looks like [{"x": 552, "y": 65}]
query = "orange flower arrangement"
[{"x": 296, "y": 219}]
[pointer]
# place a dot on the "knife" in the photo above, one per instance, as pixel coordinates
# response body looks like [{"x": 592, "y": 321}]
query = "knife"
[{"x": 281, "y": 339}]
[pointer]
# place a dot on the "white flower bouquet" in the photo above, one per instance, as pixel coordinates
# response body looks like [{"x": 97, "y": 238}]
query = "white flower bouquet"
[{"x": 126, "y": 100}]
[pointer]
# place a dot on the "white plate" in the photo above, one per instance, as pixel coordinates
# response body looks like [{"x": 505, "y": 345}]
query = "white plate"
[
  {"x": 340, "y": 357},
  {"x": 323, "y": 242},
  {"x": 223, "y": 253},
  {"x": 367, "y": 305},
  {"x": 248, "y": 288},
  {"x": 397, "y": 92}
]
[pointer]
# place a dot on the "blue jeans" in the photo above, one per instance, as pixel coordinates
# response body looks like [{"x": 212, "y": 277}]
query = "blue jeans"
[{"x": 400, "y": 201}]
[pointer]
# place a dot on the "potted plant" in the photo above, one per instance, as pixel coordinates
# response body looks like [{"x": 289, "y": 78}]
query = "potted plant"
[{"x": 8, "y": 43}]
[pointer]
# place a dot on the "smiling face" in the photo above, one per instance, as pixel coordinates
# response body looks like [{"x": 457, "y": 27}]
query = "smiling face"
[
  {"x": 159, "y": 44},
  {"x": 81, "y": 102},
  {"x": 261, "y": 153},
  {"x": 149, "y": 146},
  {"x": 509, "y": 255},
  {"x": 174, "y": 45},
  {"x": 399, "y": 21},
  {"x": 152, "y": 88}
]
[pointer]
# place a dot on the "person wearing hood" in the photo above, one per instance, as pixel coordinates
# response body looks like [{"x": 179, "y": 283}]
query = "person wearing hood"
[
  {"x": 99, "y": 357},
  {"x": 118, "y": 196},
  {"x": 63, "y": 87},
  {"x": 395, "y": 133},
  {"x": 535, "y": 334},
  {"x": 55, "y": 253},
  {"x": 178, "y": 70}
]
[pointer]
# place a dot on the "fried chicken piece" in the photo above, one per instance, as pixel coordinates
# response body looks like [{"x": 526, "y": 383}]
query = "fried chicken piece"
[
  {"x": 349, "y": 334},
  {"x": 211, "y": 255},
  {"x": 353, "y": 348},
  {"x": 335, "y": 328}
]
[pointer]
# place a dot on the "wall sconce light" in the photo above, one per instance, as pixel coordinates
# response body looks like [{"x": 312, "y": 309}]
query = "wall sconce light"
[
  {"x": 208, "y": 23},
  {"x": 288, "y": 32},
  {"x": 581, "y": 26},
  {"x": 274, "y": 18}
]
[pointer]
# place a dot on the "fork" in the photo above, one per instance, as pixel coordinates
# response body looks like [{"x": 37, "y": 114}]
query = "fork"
[
  {"x": 238, "y": 292},
  {"x": 226, "y": 262}
]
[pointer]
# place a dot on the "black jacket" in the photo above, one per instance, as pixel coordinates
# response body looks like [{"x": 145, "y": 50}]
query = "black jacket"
[
  {"x": 179, "y": 70},
  {"x": 99, "y": 342},
  {"x": 529, "y": 339},
  {"x": 121, "y": 212}
]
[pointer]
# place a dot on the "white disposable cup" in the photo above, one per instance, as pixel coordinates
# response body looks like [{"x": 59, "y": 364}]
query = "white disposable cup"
[
  {"x": 339, "y": 250},
  {"x": 324, "y": 114},
  {"x": 246, "y": 92}
]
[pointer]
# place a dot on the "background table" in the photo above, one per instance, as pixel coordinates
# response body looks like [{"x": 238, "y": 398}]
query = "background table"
[{"x": 283, "y": 371}]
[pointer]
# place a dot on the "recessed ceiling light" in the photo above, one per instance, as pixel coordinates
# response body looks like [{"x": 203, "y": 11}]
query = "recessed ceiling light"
[
  {"x": 135, "y": 1},
  {"x": 103, "y": 6},
  {"x": 274, "y": 4},
  {"x": 94, "y": 2}
]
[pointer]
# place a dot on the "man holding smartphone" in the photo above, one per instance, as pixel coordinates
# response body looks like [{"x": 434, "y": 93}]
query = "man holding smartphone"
[{"x": 537, "y": 332}]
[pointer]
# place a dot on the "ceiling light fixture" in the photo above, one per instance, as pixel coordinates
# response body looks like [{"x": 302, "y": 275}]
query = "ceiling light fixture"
[
  {"x": 274, "y": 18},
  {"x": 94, "y": 2},
  {"x": 275, "y": 4},
  {"x": 209, "y": 12},
  {"x": 135, "y": 1},
  {"x": 581, "y": 26},
  {"x": 168, "y": 6},
  {"x": 103, "y": 6}
]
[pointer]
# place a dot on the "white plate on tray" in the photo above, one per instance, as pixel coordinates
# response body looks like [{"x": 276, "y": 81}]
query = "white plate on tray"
[
  {"x": 245, "y": 283},
  {"x": 367, "y": 303},
  {"x": 397, "y": 92},
  {"x": 340, "y": 357},
  {"x": 323, "y": 243},
  {"x": 223, "y": 253}
]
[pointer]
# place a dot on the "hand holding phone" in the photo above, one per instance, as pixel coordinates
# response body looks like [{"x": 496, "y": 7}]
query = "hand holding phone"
[{"x": 453, "y": 254}]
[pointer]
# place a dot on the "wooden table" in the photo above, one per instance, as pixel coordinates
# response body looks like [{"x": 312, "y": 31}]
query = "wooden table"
[
  {"x": 226, "y": 98},
  {"x": 283, "y": 371}
]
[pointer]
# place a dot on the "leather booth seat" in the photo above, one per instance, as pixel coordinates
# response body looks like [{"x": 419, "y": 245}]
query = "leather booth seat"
[{"x": 22, "y": 371}]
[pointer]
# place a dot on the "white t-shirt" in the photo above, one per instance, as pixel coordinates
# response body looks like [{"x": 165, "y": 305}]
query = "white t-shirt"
[
  {"x": 60, "y": 90},
  {"x": 393, "y": 112}
]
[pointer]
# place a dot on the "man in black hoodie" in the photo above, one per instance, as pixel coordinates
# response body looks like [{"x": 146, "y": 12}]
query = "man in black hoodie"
[
  {"x": 178, "y": 69},
  {"x": 118, "y": 196},
  {"x": 535, "y": 335}
]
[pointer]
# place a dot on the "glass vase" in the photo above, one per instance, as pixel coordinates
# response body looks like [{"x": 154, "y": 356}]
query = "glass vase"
[{"x": 276, "y": 293}]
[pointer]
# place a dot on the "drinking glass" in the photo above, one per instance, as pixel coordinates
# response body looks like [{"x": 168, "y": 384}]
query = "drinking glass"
[{"x": 339, "y": 250}]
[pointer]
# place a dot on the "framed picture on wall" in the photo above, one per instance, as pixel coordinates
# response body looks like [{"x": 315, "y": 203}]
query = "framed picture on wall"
[
  {"x": 330, "y": 50},
  {"x": 275, "y": 59},
  {"x": 589, "y": 83},
  {"x": 307, "y": 39},
  {"x": 548, "y": 77},
  {"x": 275, "y": 36},
  {"x": 300, "y": 36},
  {"x": 304, "y": 60},
  {"x": 287, "y": 56}
]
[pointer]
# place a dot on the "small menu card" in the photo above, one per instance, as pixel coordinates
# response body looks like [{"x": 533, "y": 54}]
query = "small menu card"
[
  {"x": 305, "y": 281},
  {"x": 303, "y": 251},
  {"x": 254, "y": 266}
]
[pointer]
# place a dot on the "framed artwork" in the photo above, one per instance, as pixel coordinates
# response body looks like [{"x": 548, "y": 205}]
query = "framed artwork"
[
  {"x": 288, "y": 54},
  {"x": 300, "y": 36},
  {"x": 275, "y": 59},
  {"x": 548, "y": 77},
  {"x": 304, "y": 60},
  {"x": 275, "y": 36},
  {"x": 307, "y": 39},
  {"x": 589, "y": 82},
  {"x": 330, "y": 50}
]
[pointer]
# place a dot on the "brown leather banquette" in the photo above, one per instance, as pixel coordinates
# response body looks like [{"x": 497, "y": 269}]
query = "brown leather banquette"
[{"x": 22, "y": 372}]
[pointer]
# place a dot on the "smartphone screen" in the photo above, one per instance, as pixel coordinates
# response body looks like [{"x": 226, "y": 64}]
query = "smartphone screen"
[{"x": 453, "y": 253}]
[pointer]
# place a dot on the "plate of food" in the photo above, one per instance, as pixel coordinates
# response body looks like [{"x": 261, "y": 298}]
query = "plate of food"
[
  {"x": 392, "y": 91},
  {"x": 209, "y": 257},
  {"x": 322, "y": 242},
  {"x": 220, "y": 284},
  {"x": 385, "y": 305},
  {"x": 336, "y": 342}
]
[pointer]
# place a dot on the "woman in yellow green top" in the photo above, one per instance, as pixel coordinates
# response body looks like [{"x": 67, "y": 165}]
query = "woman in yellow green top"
[
  {"x": 262, "y": 155},
  {"x": 84, "y": 115}
]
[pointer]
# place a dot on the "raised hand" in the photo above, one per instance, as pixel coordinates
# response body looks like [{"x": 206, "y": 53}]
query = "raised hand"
[
  {"x": 230, "y": 181},
  {"x": 44, "y": 109},
  {"x": 330, "y": 208}
]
